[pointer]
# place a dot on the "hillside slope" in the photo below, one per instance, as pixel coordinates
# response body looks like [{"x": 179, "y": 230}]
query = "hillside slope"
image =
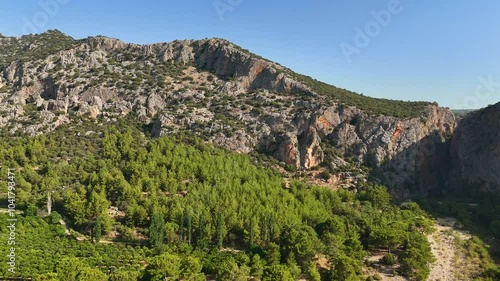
[{"x": 226, "y": 95}]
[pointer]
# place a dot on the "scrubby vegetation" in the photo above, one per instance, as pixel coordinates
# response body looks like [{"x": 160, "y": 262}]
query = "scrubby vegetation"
[
  {"x": 33, "y": 46},
  {"x": 474, "y": 210},
  {"x": 180, "y": 209},
  {"x": 401, "y": 109}
]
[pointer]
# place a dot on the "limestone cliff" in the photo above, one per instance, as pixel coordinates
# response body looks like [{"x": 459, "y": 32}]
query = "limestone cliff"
[{"x": 475, "y": 151}]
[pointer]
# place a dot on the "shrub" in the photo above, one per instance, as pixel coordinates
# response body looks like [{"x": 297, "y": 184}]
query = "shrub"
[
  {"x": 54, "y": 218},
  {"x": 389, "y": 259},
  {"x": 325, "y": 175},
  {"x": 31, "y": 210},
  {"x": 290, "y": 168}
]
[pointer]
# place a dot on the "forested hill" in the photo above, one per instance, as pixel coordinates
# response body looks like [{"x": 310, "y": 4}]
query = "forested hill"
[
  {"x": 225, "y": 95},
  {"x": 188, "y": 202},
  {"x": 178, "y": 208}
]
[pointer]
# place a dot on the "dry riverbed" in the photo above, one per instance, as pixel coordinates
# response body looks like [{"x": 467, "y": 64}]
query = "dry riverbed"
[{"x": 451, "y": 261}]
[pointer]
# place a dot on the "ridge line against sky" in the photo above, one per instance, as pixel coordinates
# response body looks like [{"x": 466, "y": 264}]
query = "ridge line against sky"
[{"x": 397, "y": 49}]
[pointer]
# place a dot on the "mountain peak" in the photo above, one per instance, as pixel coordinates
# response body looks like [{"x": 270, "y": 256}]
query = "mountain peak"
[{"x": 50, "y": 34}]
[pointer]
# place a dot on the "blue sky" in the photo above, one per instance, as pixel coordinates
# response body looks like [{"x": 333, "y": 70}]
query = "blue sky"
[{"x": 444, "y": 51}]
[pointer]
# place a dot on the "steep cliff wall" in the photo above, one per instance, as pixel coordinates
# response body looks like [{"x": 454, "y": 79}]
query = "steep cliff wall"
[{"x": 475, "y": 151}]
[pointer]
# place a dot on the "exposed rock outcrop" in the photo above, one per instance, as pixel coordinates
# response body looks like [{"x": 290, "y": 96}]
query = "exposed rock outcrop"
[
  {"x": 288, "y": 150},
  {"x": 230, "y": 97},
  {"x": 475, "y": 151}
]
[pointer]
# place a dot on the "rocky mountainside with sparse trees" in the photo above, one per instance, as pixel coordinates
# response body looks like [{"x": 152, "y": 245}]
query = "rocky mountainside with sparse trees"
[
  {"x": 225, "y": 95},
  {"x": 198, "y": 160}
]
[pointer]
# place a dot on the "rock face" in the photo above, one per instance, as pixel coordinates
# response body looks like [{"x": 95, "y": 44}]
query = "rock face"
[
  {"x": 230, "y": 97},
  {"x": 288, "y": 150},
  {"x": 475, "y": 151},
  {"x": 402, "y": 151}
]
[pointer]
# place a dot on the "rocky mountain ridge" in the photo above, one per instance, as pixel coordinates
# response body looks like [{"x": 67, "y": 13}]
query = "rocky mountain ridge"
[{"x": 227, "y": 96}]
